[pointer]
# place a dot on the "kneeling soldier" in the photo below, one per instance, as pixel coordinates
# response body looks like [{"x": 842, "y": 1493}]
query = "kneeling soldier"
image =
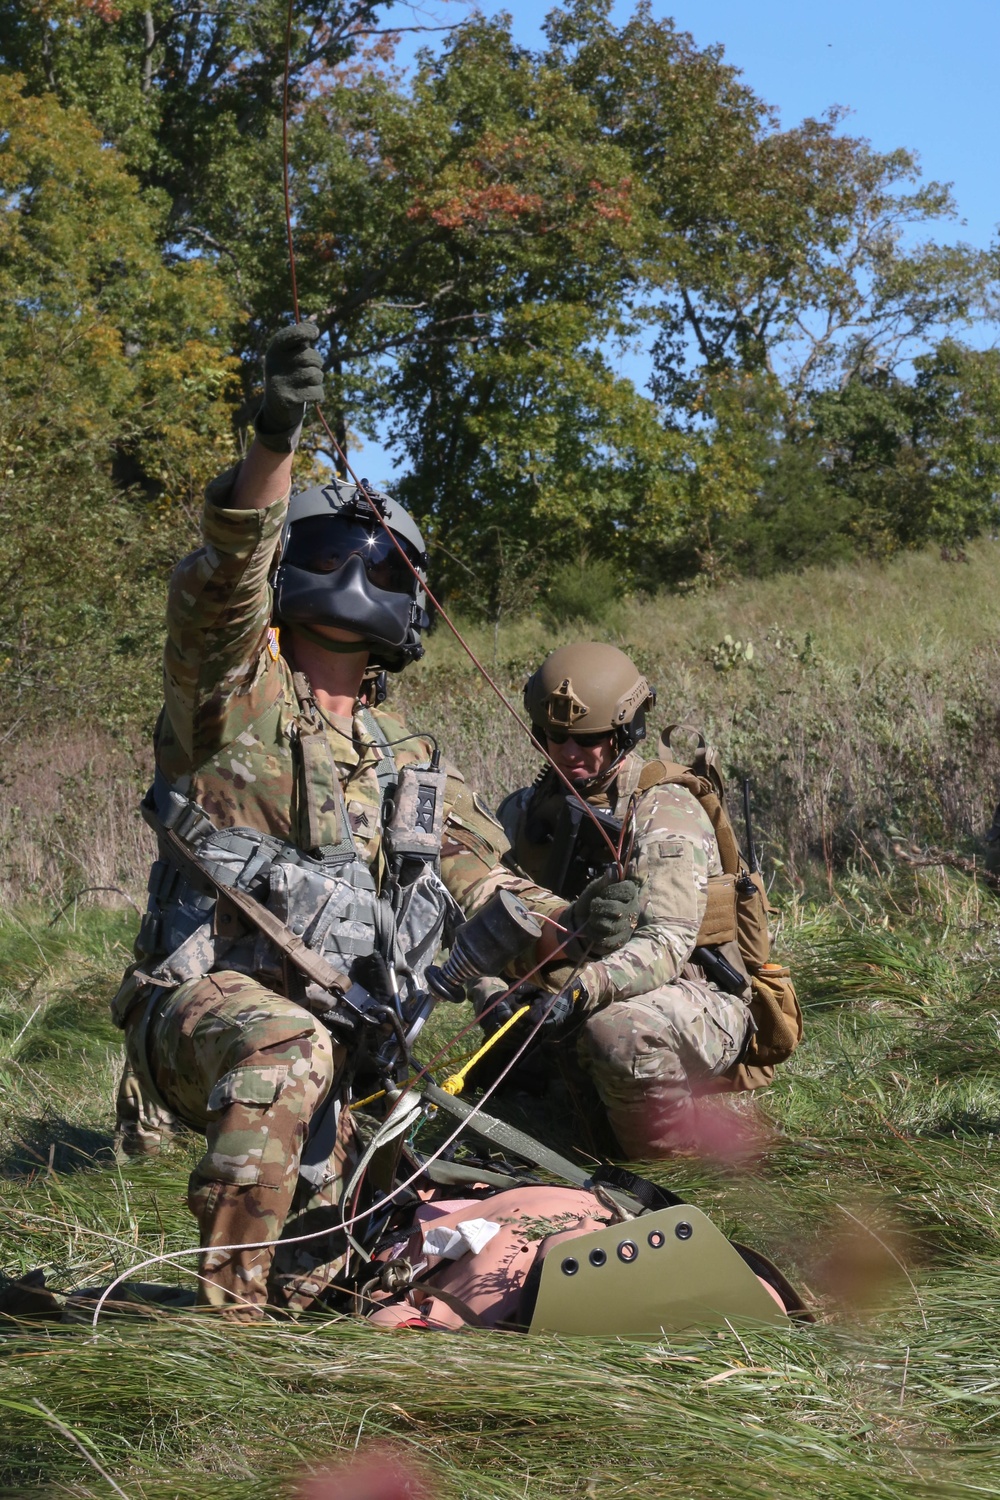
[
  {"x": 277, "y": 781},
  {"x": 656, "y": 1030}
]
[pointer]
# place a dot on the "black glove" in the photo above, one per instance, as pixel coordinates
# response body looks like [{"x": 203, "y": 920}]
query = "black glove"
[
  {"x": 549, "y": 1011},
  {"x": 293, "y": 376},
  {"x": 491, "y": 1013},
  {"x": 608, "y": 912},
  {"x": 372, "y": 973}
]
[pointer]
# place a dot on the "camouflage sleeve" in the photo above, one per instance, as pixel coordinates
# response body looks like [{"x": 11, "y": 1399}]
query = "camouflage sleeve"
[
  {"x": 471, "y": 852},
  {"x": 677, "y": 852},
  {"x": 218, "y": 612}
]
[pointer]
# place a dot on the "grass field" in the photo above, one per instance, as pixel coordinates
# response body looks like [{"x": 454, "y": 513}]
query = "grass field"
[
  {"x": 878, "y": 1193},
  {"x": 867, "y": 711}
]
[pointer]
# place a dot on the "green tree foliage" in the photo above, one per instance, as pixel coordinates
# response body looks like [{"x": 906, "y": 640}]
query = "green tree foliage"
[
  {"x": 482, "y": 240},
  {"x": 113, "y": 369}
]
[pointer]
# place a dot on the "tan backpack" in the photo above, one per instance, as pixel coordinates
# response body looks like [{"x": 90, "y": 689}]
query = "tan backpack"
[{"x": 735, "y": 921}]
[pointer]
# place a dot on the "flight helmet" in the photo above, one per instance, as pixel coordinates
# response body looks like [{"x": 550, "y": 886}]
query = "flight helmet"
[{"x": 337, "y": 566}]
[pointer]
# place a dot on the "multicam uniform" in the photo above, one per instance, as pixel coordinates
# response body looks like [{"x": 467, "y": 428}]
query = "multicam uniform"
[
  {"x": 227, "y": 1050},
  {"x": 655, "y": 1027}
]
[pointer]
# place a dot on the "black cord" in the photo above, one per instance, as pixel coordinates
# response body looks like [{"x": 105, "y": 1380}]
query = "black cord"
[{"x": 418, "y": 734}]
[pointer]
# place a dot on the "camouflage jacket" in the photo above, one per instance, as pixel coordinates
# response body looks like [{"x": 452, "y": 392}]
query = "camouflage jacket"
[
  {"x": 673, "y": 854},
  {"x": 231, "y": 716}
]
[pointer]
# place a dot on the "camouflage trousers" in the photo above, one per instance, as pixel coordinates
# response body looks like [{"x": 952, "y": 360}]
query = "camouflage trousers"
[
  {"x": 250, "y": 1069},
  {"x": 649, "y": 1056}
]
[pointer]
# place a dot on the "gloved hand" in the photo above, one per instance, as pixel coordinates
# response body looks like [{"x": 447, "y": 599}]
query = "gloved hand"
[
  {"x": 491, "y": 1013},
  {"x": 549, "y": 1011},
  {"x": 293, "y": 376},
  {"x": 608, "y": 912}
]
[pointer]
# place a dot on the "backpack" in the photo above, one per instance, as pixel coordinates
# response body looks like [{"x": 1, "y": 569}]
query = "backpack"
[{"x": 735, "y": 920}]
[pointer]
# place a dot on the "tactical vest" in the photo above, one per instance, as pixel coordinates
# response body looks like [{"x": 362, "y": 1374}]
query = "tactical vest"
[
  {"x": 735, "y": 921},
  {"x": 326, "y": 897}
]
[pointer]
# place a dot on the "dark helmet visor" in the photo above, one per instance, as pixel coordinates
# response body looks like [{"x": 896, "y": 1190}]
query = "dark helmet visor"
[{"x": 322, "y": 544}]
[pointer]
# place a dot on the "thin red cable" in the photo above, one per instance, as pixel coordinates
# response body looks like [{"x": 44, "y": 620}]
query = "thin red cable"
[
  {"x": 284, "y": 161},
  {"x": 342, "y": 456}
]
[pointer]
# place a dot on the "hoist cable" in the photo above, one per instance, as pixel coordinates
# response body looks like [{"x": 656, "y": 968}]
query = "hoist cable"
[{"x": 362, "y": 489}]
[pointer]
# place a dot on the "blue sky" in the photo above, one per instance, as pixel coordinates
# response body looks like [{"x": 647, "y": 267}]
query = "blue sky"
[{"x": 915, "y": 73}]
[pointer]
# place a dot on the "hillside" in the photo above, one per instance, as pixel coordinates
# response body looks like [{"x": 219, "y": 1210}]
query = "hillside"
[{"x": 867, "y": 709}]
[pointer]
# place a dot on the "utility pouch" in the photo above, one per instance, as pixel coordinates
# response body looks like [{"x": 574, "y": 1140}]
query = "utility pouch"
[
  {"x": 319, "y": 787},
  {"x": 718, "y": 925},
  {"x": 415, "y": 826},
  {"x": 776, "y": 1014}
]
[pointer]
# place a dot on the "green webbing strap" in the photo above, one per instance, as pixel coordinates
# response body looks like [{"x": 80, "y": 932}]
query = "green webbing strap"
[
  {"x": 499, "y": 1133},
  {"x": 385, "y": 765}
]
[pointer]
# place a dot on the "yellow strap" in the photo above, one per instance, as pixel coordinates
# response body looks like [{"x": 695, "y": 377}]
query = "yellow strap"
[{"x": 456, "y": 1083}]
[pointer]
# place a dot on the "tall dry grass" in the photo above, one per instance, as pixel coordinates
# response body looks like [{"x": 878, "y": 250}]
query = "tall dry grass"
[
  {"x": 69, "y": 817},
  {"x": 868, "y": 709}
]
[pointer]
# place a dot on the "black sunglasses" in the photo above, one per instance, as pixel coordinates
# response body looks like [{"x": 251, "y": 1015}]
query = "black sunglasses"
[{"x": 585, "y": 741}]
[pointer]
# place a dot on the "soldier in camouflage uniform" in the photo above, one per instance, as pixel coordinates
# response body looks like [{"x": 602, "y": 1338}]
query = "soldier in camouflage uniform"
[
  {"x": 655, "y": 1030},
  {"x": 272, "y": 735}
]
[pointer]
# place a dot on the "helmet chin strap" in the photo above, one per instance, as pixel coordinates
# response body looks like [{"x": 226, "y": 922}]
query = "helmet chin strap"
[{"x": 339, "y": 648}]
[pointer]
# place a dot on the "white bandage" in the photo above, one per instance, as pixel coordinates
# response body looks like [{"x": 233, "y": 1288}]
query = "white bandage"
[{"x": 452, "y": 1242}]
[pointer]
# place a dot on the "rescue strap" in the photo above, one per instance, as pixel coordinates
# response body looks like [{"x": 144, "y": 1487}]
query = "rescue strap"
[
  {"x": 630, "y": 1191},
  {"x": 650, "y": 1194}
]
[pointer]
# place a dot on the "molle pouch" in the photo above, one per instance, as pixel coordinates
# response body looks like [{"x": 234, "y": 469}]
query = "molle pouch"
[
  {"x": 333, "y": 909},
  {"x": 776, "y": 1014},
  {"x": 417, "y": 819},
  {"x": 426, "y": 918},
  {"x": 320, "y": 802},
  {"x": 752, "y": 908},
  {"x": 719, "y": 922}
]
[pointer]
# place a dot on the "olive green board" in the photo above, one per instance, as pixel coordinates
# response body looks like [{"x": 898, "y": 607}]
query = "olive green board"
[{"x": 663, "y": 1272}]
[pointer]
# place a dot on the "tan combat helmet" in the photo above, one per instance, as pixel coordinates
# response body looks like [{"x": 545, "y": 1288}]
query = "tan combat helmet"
[{"x": 589, "y": 688}]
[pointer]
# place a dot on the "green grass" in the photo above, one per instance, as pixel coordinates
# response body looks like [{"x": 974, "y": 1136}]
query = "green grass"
[{"x": 878, "y": 1192}]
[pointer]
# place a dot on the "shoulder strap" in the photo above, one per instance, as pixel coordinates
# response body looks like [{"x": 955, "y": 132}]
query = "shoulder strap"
[
  {"x": 385, "y": 765},
  {"x": 705, "y": 762},
  {"x": 705, "y": 791},
  {"x": 638, "y": 775}
]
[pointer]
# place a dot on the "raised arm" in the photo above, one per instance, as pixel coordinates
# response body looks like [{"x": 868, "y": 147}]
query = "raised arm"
[
  {"x": 219, "y": 604},
  {"x": 293, "y": 377}
]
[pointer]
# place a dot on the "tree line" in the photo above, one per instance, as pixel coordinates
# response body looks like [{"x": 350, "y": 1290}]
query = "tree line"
[{"x": 480, "y": 239}]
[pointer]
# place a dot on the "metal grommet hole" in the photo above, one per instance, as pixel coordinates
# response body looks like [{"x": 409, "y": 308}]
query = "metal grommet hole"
[
  {"x": 683, "y": 1230},
  {"x": 628, "y": 1250},
  {"x": 598, "y": 1257},
  {"x": 656, "y": 1239},
  {"x": 570, "y": 1266}
]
